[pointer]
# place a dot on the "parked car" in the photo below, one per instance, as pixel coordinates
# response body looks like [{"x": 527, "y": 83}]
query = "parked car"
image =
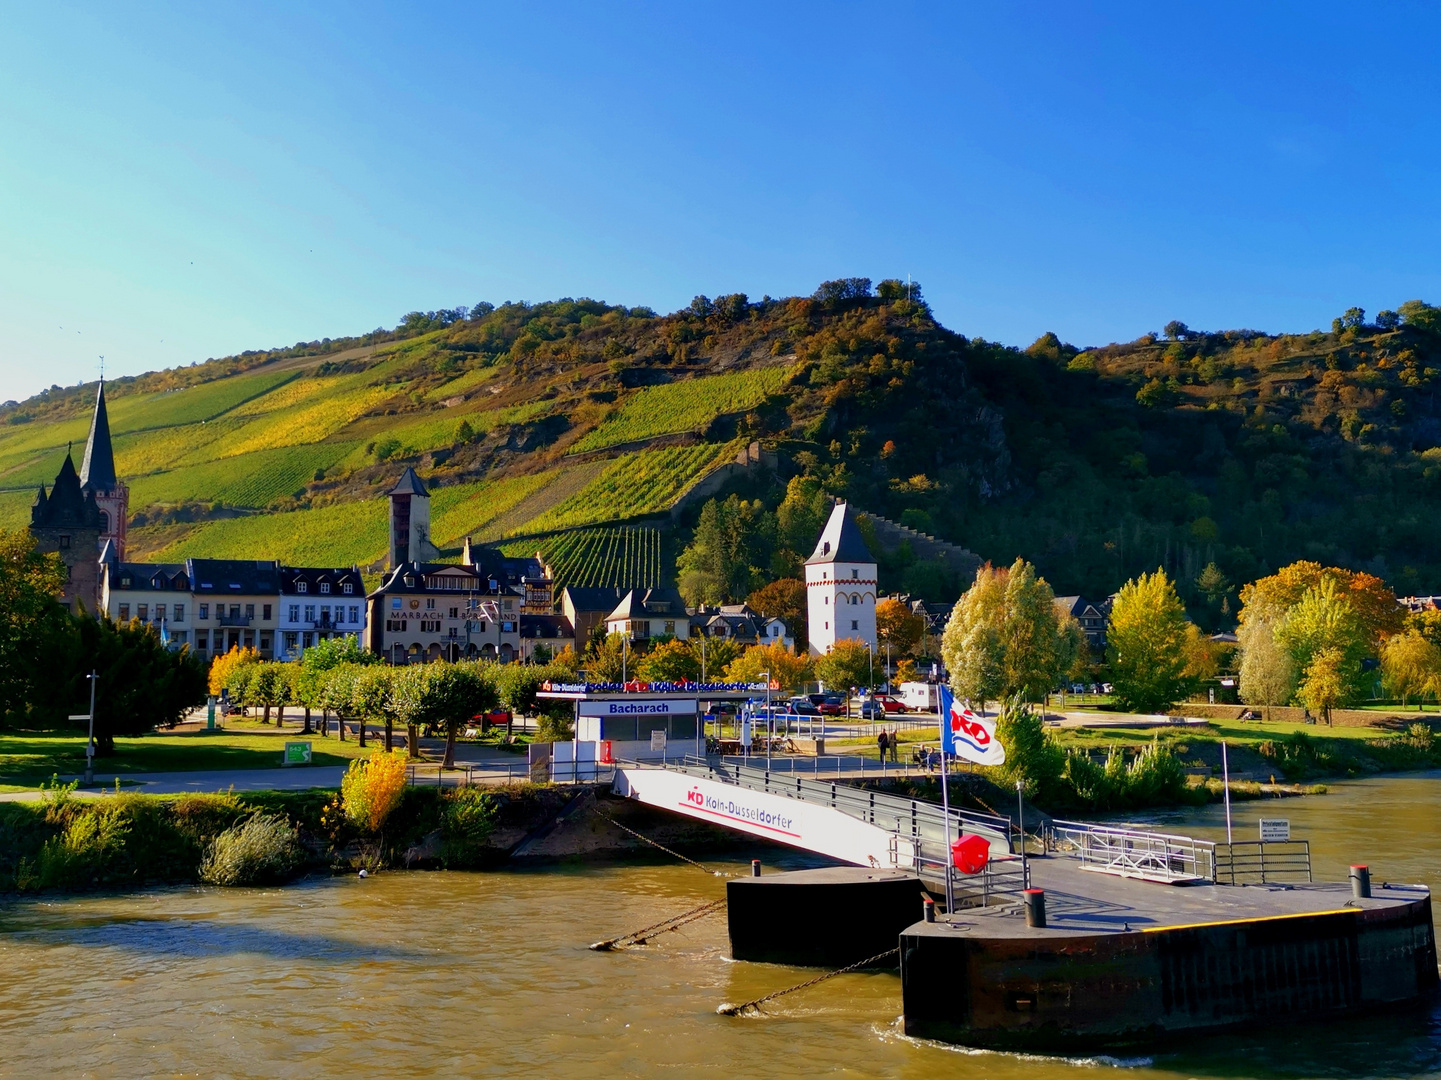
[
  {"x": 887, "y": 703},
  {"x": 828, "y": 704},
  {"x": 494, "y": 717},
  {"x": 804, "y": 706}
]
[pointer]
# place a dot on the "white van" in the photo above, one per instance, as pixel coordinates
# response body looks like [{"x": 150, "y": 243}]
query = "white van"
[{"x": 920, "y": 696}]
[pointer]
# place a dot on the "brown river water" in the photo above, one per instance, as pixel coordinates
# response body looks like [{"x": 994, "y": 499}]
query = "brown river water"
[{"x": 457, "y": 975}]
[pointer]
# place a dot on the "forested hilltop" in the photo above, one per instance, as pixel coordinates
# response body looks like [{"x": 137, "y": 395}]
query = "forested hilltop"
[{"x": 575, "y": 426}]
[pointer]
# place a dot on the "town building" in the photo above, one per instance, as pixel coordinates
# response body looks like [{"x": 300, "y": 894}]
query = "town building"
[
  {"x": 1092, "y": 615},
  {"x": 410, "y": 522},
  {"x": 643, "y": 614},
  {"x": 741, "y": 624},
  {"x": 156, "y": 593},
  {"x": 427, "y": 611},
  {"x": 586, "y": 607},
  {"x": 840, "y": 585},
  {"x": 317, "y": 603},
  {"x": 544, "y": 637},
  {"x": 236, "y": 603}
]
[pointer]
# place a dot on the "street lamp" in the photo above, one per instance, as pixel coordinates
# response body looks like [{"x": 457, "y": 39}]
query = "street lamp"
[{"x": 770, "y": 721}]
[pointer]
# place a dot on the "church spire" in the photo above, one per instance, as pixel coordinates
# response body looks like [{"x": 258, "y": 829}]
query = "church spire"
[{"x": 98, "y": 470}]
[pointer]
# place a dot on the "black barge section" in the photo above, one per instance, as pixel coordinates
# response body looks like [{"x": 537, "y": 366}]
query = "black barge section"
[{"x": 1122, "y": 962}]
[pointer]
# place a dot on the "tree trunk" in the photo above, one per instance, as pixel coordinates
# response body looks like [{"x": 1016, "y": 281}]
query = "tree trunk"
[
  {"x": 306, "y": 729},
  {"x": 448, "y": 762},
  {"x": 361, "y": 726},
  {"x": 266, "y": 718},
  {"x": 389, "y": 734},
  {"x": 412, "y": 740},
  {"x": 280, "y": 715}
]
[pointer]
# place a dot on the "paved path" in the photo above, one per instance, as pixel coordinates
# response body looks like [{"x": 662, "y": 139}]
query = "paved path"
[{"x": 296, "y": 778}]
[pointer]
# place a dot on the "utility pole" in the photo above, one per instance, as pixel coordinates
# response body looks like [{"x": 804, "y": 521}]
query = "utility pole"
[
  {"x": 90, "y": 743},
  {"x": 770, "y": 721}
]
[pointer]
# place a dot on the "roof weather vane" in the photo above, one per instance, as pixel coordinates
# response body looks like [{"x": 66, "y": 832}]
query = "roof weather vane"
[{"x": 102, "y": 369}]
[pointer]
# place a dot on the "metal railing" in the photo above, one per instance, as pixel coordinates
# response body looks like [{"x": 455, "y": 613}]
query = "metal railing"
[
  {"x": 1263, "y": 861},
  {"x": 922, "y": 826},
  {"x": 1133, "y": 853}
]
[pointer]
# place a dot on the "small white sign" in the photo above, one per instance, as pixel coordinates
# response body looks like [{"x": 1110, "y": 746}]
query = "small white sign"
[
  {"x": 657, "y": 741},
  {"x": 1275, "y": 830},
  {"x": 672, "y": 707}
]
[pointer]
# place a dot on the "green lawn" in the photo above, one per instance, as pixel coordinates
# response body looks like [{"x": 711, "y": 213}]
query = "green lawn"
[{"x": 26, "y": 760}]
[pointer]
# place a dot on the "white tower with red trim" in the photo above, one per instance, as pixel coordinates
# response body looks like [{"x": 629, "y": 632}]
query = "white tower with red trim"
[{"x": 841, "y": 585}]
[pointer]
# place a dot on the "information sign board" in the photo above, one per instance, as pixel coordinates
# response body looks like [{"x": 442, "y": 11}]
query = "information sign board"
[
  {"x": 297, "y": 753},
  {"x": 1275, "y": 830},
  {"x": 657, "y": 741}
]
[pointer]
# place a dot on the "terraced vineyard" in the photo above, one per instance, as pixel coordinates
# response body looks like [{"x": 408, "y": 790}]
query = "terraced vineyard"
[
  {"x": 686, "y": 406},
  {"x": 626, "y": 557},
  {"x": 645, "y": 482},
  {"x": 254, "y": 479}
]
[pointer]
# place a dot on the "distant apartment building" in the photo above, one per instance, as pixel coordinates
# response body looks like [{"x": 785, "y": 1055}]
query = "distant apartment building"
[
  {"x": 318, "y": 603},
  {"x": 212, "y": 605}
]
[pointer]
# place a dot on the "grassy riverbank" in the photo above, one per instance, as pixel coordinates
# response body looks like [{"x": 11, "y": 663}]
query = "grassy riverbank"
[{"x": 130, "y": 841}]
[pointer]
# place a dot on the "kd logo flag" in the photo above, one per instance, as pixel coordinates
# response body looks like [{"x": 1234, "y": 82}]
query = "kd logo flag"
[{"x": 966, "y": 735}]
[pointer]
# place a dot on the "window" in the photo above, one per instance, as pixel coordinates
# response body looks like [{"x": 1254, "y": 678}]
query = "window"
[
  {"x": 250, "y": 611},
  {"x": 178, "y": 638},
  {"x": 179, "y": 612},
  {"x": 142, "y": 611},
  {"x": 202, "y": 640},
  {"x": 265, "y": 642},
  {"x": 309, "y": 612},
  {"x": 204, "y": 611},
  {"x": 159, "y": 612},
  {"x": 325, "y": 587},
  {"x": 234, "y": 610},
  {"x": 308, "y": 638},
  {"x": 455, "y": 613},
  {"x": 302, "y": 586},
  {"x": 292, "y": 641},
  {"x": 348, "y": 589},
  {"x": 855, "y": 574},
  {"x": 355, "y": 613},
  {"x": 124, "y": 612},
  {"x": 265, "y": 612},
  {"x": 430, "y": 603},
  {"x": 294, "y": 612},
  {"x": 324, "y": 612},
  {"x": 125, "y": 581},
  {"x": 669, "y": 626},
  {"x": 855, "y": 625}
]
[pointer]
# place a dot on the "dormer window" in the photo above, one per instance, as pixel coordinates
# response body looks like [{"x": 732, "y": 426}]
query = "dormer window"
[
  {"x": 325, "y": 586},
  {"x": 347, "y": 588},
  {"x": 410, "y": 580},
  {"x": 125, "y": 581},
  {"x": 302, "y": 586}
]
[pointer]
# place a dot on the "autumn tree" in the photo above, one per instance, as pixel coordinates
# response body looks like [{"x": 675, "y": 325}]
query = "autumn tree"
[
  {"x": 1326, "y": 684},
  {"x": 1325, "y": 620},
  {"x": 713, "y": 655},
  {"x": 1268, "y": 674},
  {"x": 1410, "y": 666},
  {"x": 30, "y": 585},
  {"x": 790, "y": 670},
  {"x": 670, "y": 661},
  {"x": 899, "y": 627},
  {"x": 1148, "y": 647},
  {"x": 1007, "y": 637},
  {"x": 784, "y": 599},
  {"x": 847, "y": 664},
  {"x": 1369, "y": 597},
  {"x": 223, "y": 666}
]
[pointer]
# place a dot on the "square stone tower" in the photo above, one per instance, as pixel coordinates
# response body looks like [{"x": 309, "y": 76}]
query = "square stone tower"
[
  {"x": 410, "y": 522},
  {"x": 841, "y": 585}
]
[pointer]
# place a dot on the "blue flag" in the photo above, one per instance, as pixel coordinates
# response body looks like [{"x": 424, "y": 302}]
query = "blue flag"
[{"x": 967, "y": 735}]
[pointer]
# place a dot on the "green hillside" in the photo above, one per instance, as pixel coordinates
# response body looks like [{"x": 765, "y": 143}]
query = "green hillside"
[{"x": 1239, "y": 448}]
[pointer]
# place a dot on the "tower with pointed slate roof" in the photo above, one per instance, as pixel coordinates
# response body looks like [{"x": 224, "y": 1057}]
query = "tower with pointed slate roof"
[
  {"x": 68, "y": 522},
  {"x": 97, "y": 477},
  {"x": 840, "y": 585},
  {"x": 410, "y": 522}
]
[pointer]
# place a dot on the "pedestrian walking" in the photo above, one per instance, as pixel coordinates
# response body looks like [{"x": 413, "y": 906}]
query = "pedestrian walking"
[
  {"x": 883, "y": 742},
  {"x": 895, "y": 741}
]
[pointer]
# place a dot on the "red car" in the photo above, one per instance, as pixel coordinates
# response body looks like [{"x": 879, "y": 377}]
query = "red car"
[
  {"x": 890, "y": 704},
  {"x": 828, "y": 704},
  {"x": 495, "y": 717}
]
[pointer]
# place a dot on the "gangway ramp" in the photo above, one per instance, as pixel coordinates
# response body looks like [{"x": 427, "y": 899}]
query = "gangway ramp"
[{"x": 843, "y": 822}]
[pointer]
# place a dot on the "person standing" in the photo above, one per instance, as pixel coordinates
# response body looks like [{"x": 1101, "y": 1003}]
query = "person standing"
[
  {"x": 883, "y": 743},
  {"x": 895, "y": 741}
]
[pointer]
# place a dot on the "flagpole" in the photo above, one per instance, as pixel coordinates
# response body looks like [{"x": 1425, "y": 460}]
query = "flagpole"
[{"x": 946, "y": 807}]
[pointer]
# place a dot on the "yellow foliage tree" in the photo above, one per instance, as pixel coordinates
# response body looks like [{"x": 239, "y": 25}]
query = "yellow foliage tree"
[
  {"x": 372, "y": 788},
  {"x": 222, "y": 666},
  {"x": 1411, "y": 666},
  {"x": 787, "y": 669}
]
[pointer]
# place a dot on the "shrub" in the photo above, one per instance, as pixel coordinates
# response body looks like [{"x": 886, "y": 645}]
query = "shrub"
[
  {"x": 1032, "y": 755},
  {"x": 262, "y": 849},
  {"x": 467, "y": 820},
  {"x": 372, "y": 788},
  {"x": 85, "y": 851},
  {"x": 555, "y": 727}
]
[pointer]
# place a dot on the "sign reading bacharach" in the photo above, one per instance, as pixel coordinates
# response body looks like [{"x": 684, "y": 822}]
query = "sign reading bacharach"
[{"x": 668, "y": 707}]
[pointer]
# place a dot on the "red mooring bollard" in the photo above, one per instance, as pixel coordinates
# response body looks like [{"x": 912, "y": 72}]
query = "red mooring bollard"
[
  {"x": 1360, "y": 882},
  {"x": 928, "y": 909},
  {"x": 755, "y": 868},
  {"x": 1035, "y": 902}
]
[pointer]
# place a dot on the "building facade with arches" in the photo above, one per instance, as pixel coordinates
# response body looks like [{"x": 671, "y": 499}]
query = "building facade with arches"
[{"x": 841, "y": 585}]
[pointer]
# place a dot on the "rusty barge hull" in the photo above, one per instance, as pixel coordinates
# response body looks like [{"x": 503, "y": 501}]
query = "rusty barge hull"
[{"x": 1147, "y": 963}]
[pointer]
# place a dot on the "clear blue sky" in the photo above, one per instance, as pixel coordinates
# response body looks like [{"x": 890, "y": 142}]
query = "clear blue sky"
[{"x": 178, "y": 182}]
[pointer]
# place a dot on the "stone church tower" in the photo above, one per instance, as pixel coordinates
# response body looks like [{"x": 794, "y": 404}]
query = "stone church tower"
[
  {"x": 840, "y": 585},
  {"x": 410, "y": 522},
  {"x": 97, "y": 478},
  {"x": 68, "y": 523}
]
